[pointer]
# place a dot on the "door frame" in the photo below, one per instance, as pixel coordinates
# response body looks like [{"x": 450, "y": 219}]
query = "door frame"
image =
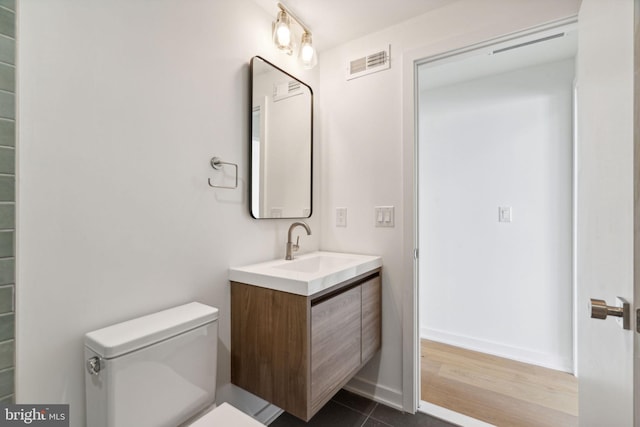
[
  {"x": 410, "y": 320},
  {"x": 636, "y": 206}
]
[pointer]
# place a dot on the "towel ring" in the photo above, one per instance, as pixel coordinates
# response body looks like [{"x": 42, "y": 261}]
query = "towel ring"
[{"x": 217, "y": 164}]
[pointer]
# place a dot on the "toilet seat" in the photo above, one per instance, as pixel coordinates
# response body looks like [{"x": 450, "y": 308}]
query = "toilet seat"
[{"x": 226, "y": 415}]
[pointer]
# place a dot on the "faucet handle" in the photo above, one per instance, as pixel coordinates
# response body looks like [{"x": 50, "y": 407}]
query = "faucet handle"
[{"x": 297, "y": 245}]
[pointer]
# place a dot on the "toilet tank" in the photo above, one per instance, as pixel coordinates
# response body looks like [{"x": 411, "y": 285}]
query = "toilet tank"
[{"x": 157, "y": 370}]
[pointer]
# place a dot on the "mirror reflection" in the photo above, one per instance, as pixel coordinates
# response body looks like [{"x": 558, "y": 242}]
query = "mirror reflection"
[{"x": 281, "y": 143}]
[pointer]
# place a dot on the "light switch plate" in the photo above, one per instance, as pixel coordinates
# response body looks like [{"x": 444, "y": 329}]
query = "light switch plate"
[
  {"x": 384, "y": 216},
  {"x": 504, "y": 213},
  {"x": 341, "y": 217}
]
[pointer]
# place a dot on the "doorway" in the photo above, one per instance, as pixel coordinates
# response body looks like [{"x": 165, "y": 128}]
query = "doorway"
[{"x": 495, "y": 220}]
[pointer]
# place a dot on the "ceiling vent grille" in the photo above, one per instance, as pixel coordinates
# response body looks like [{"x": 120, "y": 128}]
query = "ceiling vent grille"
[{"x": 372, "y": 63}]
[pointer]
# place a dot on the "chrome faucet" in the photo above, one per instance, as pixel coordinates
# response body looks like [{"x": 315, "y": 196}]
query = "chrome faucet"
[{"x": 291, "y": 247}]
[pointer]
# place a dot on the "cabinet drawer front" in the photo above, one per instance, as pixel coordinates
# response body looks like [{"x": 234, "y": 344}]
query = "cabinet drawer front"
[
  {"x": 371, "y": 317},
  {"x": 335, "y": 342}
]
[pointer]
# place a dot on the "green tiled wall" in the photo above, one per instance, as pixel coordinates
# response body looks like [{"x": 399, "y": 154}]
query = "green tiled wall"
[{"x": 7, "y": 198}]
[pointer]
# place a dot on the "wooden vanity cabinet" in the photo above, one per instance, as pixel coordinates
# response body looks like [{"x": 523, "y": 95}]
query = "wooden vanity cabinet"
[{"x": 297, "y": 351}]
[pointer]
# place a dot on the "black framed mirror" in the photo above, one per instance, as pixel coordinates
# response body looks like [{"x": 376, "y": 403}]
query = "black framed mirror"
[{"x": 281, "y": 143}]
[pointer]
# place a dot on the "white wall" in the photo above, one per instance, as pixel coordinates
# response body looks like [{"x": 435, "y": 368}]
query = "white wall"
[
  {"x": 503, "y": 140},
  {"x": 361, "y": 149},
  {"x": 121, "y": 105}
]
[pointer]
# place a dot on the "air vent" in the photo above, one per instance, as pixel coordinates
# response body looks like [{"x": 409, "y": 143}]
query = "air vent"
[
  {"x": 294, "y": 86},
  {"x": 286, "y": 90},
  {"x": 372, "y": 63}
]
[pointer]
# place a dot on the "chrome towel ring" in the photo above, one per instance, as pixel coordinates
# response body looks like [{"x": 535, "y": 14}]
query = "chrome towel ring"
[{"x": 217, "y": 164}]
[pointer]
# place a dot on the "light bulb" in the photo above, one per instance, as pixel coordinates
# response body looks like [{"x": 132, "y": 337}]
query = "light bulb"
[
  {"x": 284, "y": 35},
  {"x": 282, "y": 32},
  {"x": 307, "y": 54}
]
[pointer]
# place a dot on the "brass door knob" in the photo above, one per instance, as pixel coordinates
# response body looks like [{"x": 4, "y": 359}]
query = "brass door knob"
[{"x": 600, "y": 310}]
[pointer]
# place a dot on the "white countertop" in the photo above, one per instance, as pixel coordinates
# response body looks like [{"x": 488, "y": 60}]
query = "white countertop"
[{"x": 306, "y": 274}]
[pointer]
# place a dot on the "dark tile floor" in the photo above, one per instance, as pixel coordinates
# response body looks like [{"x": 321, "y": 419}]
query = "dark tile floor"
[{"x": 347, "y": 409}]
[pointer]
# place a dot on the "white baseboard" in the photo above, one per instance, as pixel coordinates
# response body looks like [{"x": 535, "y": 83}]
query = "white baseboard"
[
  {"x": 378, "y": 393},
  {"x": 556, "y": 362}
]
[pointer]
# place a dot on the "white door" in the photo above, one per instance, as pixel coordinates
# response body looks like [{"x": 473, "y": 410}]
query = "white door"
[{"x": 605, "y": 201}]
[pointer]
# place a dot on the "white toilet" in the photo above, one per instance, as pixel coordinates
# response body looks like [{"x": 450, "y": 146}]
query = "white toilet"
[{"x": 157, "y": 371}]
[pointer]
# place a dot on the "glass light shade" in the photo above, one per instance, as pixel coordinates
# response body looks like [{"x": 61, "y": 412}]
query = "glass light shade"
[
  {"x": 282, "y": 32},
  {"x": 307, "y": 54}
]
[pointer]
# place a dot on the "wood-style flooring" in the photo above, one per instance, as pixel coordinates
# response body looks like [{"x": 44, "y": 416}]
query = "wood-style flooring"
[{"x": 496, "y": 390}]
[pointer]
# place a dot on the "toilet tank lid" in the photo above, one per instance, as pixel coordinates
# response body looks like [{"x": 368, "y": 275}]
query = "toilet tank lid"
[{"x": 121, "y": 338}]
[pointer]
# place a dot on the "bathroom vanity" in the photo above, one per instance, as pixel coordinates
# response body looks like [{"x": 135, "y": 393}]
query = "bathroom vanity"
[{"x": 301, "y": 329}]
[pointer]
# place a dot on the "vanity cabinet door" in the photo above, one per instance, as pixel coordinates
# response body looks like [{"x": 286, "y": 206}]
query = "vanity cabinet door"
[
  {"x": 371, "y": 317},
  {"x": 335, "y": 343}
]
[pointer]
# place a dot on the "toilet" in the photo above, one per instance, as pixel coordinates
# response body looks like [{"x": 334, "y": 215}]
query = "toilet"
[{"x": 157, "y": 371}]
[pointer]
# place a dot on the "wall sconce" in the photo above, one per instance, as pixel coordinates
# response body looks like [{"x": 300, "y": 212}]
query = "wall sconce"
[{"x": 283, "y": 38}]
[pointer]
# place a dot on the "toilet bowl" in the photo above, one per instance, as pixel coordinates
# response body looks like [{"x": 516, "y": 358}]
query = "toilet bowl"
[{"x": 157, "y": 371}]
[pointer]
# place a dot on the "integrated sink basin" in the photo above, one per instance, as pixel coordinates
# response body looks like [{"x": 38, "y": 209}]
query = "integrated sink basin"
[
  {"x": 316, "y": 264},
  {"x": 306, "y": 274}
]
